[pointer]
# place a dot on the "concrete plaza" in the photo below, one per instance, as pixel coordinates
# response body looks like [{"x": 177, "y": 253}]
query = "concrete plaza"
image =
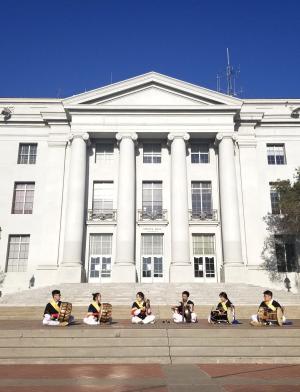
[{"x": 149, "y": 378}]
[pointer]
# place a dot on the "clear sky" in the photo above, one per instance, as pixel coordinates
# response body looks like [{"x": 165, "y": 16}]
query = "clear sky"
[{"x": 57, "y": 48}]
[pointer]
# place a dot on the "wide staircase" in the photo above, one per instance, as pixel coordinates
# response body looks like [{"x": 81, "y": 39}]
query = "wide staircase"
[
  {"x": 23, "y": 339},
  {"x": 153, "y": 344},
  {"x": 159, "y": 293},
  {"x": 29, "y": 304}
]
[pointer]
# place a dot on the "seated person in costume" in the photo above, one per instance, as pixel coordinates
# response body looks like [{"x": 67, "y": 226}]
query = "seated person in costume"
[
  {"x": 141, "y": 310},
  {"x": 269, "y": 312},
  {"x": 224, "y": 312},
  {"x": 93, "y": 315},
  {"x": 185, "y": 311},
  {"x": 53, "y": 310}
]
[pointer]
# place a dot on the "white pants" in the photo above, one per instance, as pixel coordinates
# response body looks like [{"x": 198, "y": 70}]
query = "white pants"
[
  {"x": 148, "y": 319},
  {"x": 47, "y": 320},
  {"x": 177, "y": 317},
  {"x": 91, "y": 320},
  {"x": 254, "y": 318}
]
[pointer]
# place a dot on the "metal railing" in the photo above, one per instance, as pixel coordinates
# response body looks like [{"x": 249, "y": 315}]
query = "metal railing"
[
  {"x": 102, "y": 215},
  {"x": 211, "y": 215},
  {"x": 152, "y": 215}
]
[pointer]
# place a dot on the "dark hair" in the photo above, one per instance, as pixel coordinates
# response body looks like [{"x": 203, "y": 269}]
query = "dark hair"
[
  {"x": 54, "y": 292},
  {"x": 268, "y": 292},
  {"x": 95, "y": 295},
  {"x": 186, "y": 293},
  {"x": 223, "y": 294},
  {"x": 140, "y": 294}
]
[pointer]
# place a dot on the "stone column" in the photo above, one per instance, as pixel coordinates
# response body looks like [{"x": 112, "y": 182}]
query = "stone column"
[
  {"x": 71, "y": 268},
  {"x": 181, "y": 267},
  {"x": 124, "y": 269},
  {"x": 230, "y": 220},
  {"x": 252, "y": 206}
]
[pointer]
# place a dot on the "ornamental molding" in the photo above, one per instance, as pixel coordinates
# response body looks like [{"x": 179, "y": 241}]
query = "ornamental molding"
[
  {"x": 126, "y": 135},
  {"x": 178, "y": 135}
]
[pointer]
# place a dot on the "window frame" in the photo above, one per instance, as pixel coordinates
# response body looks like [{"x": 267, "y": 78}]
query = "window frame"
[
  {"x": 28, "y": 154},
  {"x": 24, "y": 201},
  {"x": 152, "y": 154},
  {"x": 105, "y": 156},
  {"x": 201, "y": 193},
  {"x": 205, "y": 256},
  {"x": 275, "y": 154},
  {"x": 24, "y": 266},
  {"x": 200, "y": 154}
]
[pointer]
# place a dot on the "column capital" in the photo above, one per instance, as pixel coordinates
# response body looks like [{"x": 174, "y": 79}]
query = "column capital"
[
  {"x": 178, "y": 135},
  {"x": 84, "y": 136},
  {"x": 224, "y": 135},
  {"x": 128, "y": 135}
]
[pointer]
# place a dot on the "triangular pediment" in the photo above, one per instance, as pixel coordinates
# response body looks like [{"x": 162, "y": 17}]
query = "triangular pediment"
[{"x": 151, "y": 89}]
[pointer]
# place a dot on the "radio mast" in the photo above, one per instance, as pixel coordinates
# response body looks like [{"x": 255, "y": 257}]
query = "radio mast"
[{"x": 231, "y": 75}]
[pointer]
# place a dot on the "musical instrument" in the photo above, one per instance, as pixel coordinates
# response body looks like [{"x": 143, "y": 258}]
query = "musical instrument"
[
  {"x": 186, "y": 312},
  {"x": 222, "y": 315},
  {"x": 105, "y": 315},
  {"x": 265, "y": 315},
  {"x": 230, "y": 315},
  {"x": 65, "y": 312},
  {"x": 148, "y": 306}
]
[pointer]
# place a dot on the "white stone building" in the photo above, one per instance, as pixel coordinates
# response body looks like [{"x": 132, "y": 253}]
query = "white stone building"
[{"x": 147, "y": 180}]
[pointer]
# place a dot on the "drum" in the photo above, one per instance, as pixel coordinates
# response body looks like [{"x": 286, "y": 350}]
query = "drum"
[
  {"x": 65, "y": 312},
  {"x": 279, "y": 316},
  {"x": 186, "y": 313},
  {"x": 220, "y": 316},
  {"x": 230, "y": 315},
  {"x": 214, "y": 315},
  {"x": 266, "y": 316},
  {"x": 105, "y": 313}
]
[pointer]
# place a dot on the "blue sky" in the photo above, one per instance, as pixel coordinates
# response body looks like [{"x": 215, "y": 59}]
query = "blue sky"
[{"x": 59, "y": 48}]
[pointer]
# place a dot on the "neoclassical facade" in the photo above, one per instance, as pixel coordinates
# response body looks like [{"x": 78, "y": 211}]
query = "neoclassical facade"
[{"x": 149, "y": 180}]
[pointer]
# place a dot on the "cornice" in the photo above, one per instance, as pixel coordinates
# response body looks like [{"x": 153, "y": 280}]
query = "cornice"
[{"x": 119, "y": 109}]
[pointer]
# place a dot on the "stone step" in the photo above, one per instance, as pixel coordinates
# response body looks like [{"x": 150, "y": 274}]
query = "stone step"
[
  {"x": 123, "y": 312},
  {"x": 203, "y": 341},
  {"x": 159, "y": 293},
  {"x": 150, "y": 345},
  {"x": 30, "y": 342}
]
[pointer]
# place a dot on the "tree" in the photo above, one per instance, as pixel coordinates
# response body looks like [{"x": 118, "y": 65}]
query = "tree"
[{"x": 281, "y": 247}]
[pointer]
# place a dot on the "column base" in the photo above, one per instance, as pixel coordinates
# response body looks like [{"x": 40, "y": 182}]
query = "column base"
[
  {"x": 45, "y": 275},
  {"x": 233, "y": 272},
  {"x": 70, "y": 273},
  {"x": 124, "y": 273},
  {"x": 181, "y": 272}
]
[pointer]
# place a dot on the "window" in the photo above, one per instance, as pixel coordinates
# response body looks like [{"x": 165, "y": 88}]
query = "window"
[
  {"x": 27, "y": 153},
  {"x": 286, "y": 255},
  {"x": 103, "y": 197},
  {"x": 100, "y": 255},
  {"x": 274, "y": 196},
  {"x": 152, "y": 198},
  {"x": 204, "y": 255},
  {"x": 104, "y": 151},
  {"x": 23, "y": 198},
  {"x": 201, "y": 198},
  {"x": 152, "y": 153},
  {"x": 200, "y": 153},
  {"x": 276, "y": 154},
  {"x": 152, "y": 255},
  {"x": 17, "y": 254}
]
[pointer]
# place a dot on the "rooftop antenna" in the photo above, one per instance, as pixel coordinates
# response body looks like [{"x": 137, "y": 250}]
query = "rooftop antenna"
[
  {"x": 231, "y": 76},
  {"x": 218, "y": 83},
  {"x": 111, "y": 78},
  {"x": 230, "y": 73}
]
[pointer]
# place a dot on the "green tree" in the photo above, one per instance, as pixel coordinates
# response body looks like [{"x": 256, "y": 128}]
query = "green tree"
[{"x": 283, "y": 231}]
